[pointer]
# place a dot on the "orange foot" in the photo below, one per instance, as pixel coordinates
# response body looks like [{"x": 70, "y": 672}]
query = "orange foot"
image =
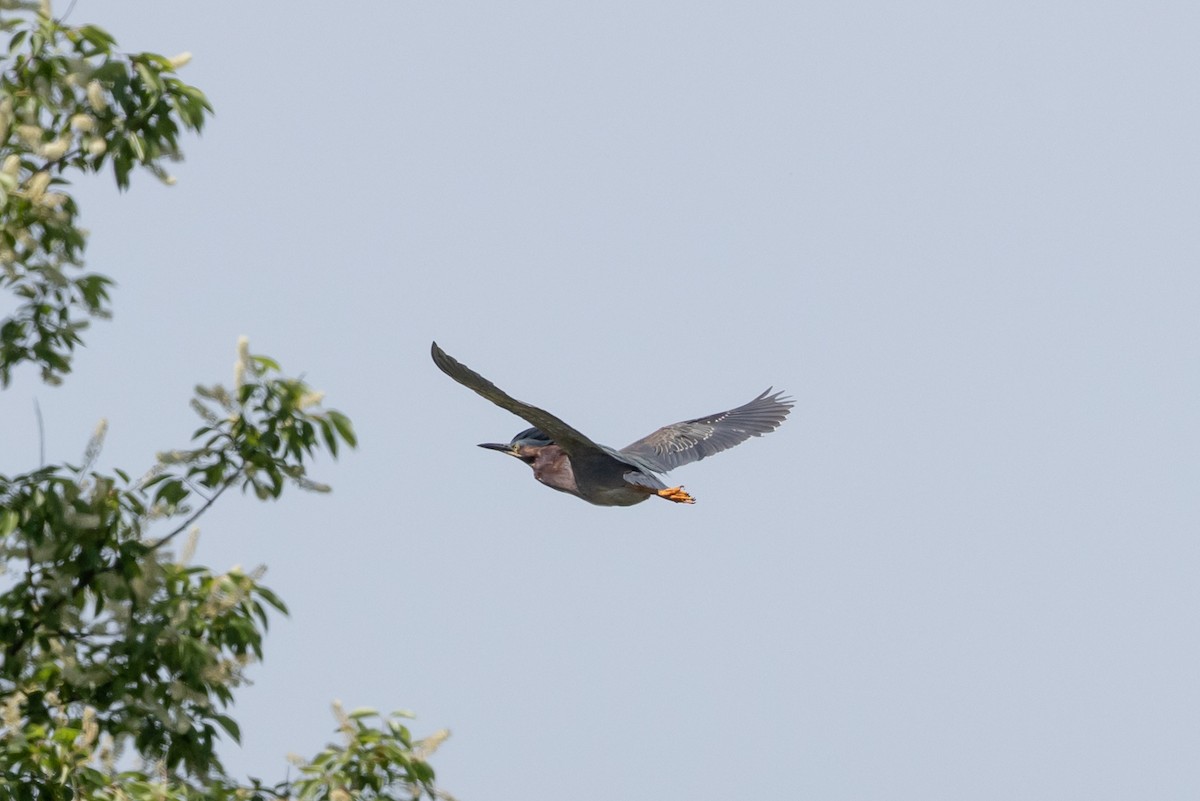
[{"x": 676, "y": 494}]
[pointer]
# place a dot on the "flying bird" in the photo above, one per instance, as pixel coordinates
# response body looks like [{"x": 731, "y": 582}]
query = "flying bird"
[{"x": 566, "y": 460}]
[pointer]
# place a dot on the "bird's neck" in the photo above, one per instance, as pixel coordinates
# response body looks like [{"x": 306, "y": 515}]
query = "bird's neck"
[{"x": 552, "y": 467}]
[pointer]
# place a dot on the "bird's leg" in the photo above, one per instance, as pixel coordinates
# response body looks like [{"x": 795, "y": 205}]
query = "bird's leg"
[{"x": 676, "y": 494}]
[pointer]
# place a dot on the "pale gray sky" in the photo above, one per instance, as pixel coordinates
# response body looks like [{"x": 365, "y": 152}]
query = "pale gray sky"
[{"x": 962, "y": 235}]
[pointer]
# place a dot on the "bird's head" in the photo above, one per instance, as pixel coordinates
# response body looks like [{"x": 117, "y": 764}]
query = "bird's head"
[{"x": 525, "y": 445}]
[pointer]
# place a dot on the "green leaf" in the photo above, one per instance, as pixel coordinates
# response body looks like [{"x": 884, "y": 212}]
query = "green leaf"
[
  {"x": 149, "y": 76},
  {"x": 264, "y": 363},
  {"x": 66, "y": 735},
  {"x": 9, "y": 519},
  {"x": 110, "y": 72},
  {"x": 156, "y": 480},
  {"x": 343, "y": 426},
  {"x": 229, "y": 725},
  {"x": 172, "y": 491},
  {"x": 272, "y": 599},
  {"x": 327, "y": 434},
  {"x": 101, "y": 38}
]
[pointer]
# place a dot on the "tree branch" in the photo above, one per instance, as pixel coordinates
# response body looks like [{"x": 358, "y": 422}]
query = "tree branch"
[{"x": 196, "y": 514}]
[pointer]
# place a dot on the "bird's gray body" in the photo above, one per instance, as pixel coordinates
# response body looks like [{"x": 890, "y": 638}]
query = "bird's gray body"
[
  {"x": 566, "y": 460},
  {"x": 606, "y": 484}
]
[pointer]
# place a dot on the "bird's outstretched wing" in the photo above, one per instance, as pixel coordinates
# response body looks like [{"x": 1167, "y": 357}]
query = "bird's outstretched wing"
[
  {"x": 567, "y": 438},
  {"x": 692, "y": 440}
]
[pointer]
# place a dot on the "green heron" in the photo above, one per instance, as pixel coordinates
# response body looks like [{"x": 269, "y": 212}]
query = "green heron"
[{"x": 566, "y": 460}]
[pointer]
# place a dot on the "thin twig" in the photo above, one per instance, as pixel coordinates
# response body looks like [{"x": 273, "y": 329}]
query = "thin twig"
[
  {"x": 70, "y": 8},
  {"x": 37, "y": 410},
  {"x": 194, "y": 487},
  {"x": 194, "y": 515}
]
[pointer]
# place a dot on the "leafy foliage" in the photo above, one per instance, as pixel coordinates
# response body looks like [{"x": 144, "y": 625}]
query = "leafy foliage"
[
  {"x": 69, "y": 100},
  {"x": 120, "y": 659}
]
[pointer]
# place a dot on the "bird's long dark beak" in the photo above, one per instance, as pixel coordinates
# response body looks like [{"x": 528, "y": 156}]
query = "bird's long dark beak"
[{"x": 496, "y": 446}]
